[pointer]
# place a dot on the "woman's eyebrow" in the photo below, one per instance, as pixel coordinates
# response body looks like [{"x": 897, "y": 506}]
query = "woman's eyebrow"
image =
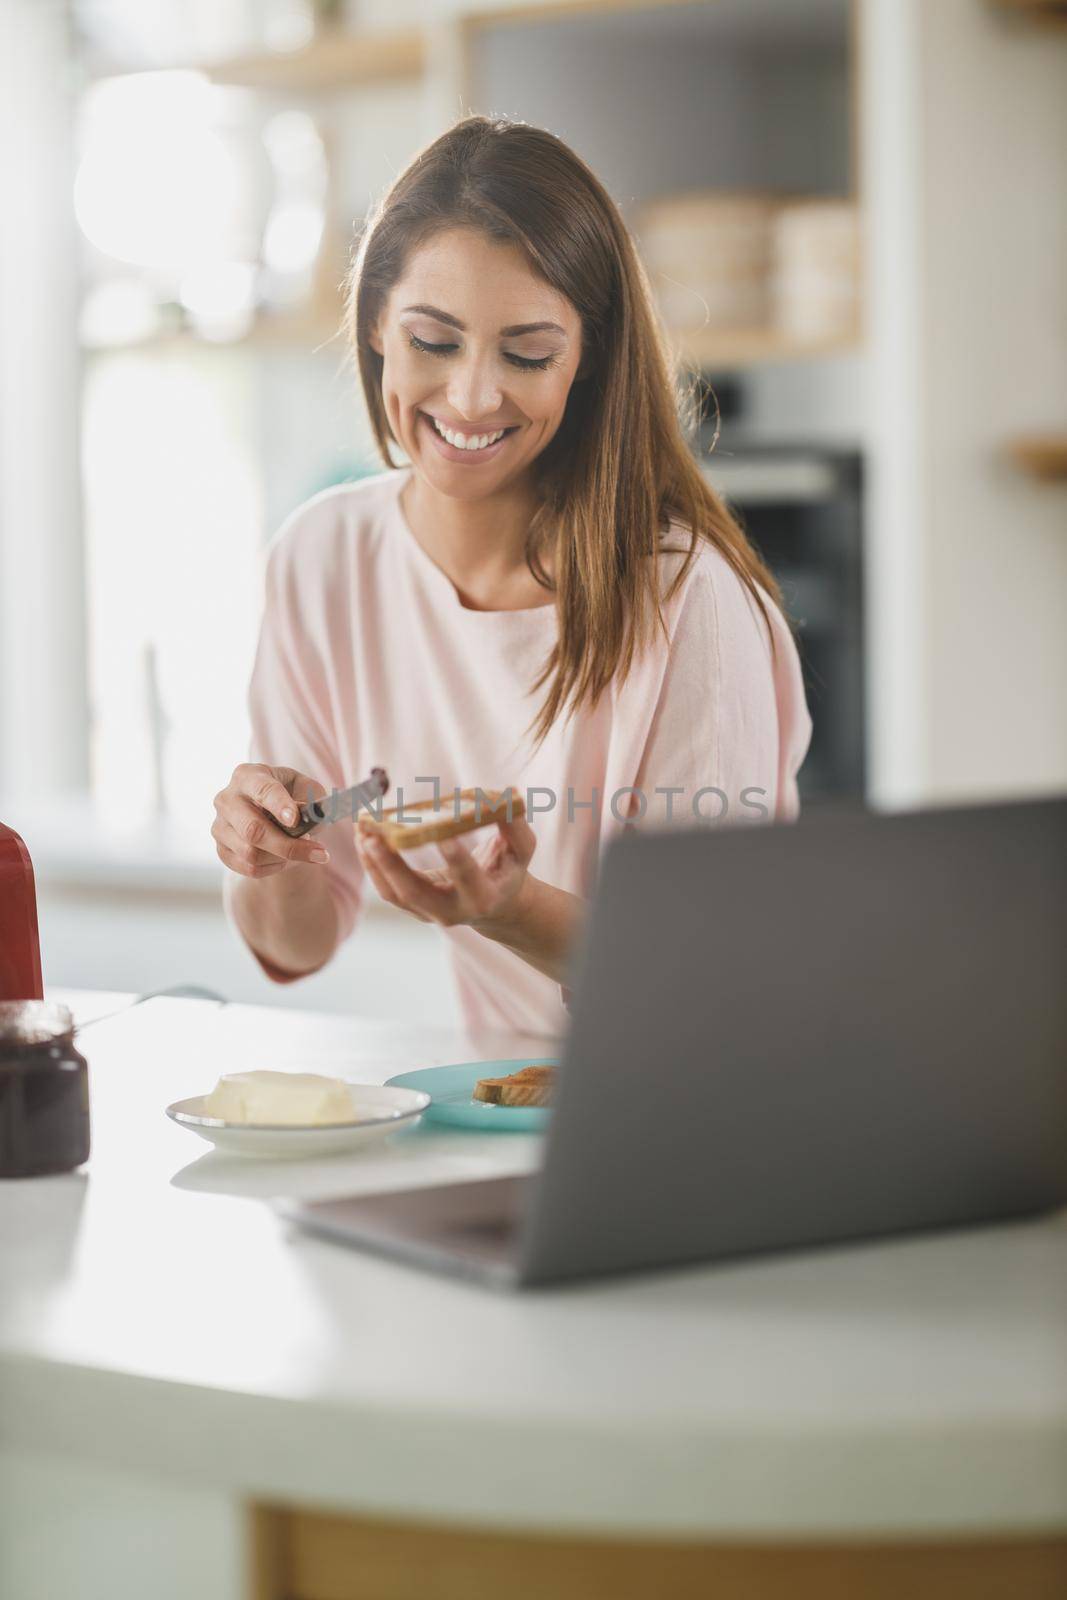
[{"x": 508, "y": 333}]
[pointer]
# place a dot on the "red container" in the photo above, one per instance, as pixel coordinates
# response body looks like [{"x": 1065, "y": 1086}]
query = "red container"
[{"x": 20, "y": 945}]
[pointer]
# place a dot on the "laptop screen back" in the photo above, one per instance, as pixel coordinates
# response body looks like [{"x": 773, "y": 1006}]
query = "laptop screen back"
[{"x": 798, "y": 1034}]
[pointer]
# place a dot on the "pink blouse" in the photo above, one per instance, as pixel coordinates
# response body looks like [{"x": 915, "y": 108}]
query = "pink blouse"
[{"x": 368, "y": 657}]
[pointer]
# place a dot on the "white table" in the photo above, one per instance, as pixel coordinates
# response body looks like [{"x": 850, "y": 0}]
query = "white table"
[{"x": 170, "y": 1348}]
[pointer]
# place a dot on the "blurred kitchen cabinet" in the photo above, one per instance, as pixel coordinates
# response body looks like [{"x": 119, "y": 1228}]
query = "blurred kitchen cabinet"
[
  {"x": 747, "y": 108},
  {"x": 303, "y": 1554},
  {"x": 1043, "y": 456},
  {"x": 1045, "y": 13},
  {"x": 335, "y": 60},
  {"x": 802, "y": 509}
]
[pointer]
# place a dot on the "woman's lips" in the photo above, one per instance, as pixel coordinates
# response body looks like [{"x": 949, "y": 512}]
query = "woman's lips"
[{"x": 468, "y": 458}]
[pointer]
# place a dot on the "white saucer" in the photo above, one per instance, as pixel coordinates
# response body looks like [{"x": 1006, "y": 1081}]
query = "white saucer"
[{"x": 382, "y": 1111}]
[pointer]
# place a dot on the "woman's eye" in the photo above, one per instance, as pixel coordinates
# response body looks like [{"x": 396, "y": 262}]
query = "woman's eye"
[
  {"x": 538, "y": 364},
  {"x": 429, "y": 349}
]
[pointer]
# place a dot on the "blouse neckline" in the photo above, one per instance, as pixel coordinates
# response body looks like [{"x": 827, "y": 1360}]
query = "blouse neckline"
[{"x": 440, "y": 578}]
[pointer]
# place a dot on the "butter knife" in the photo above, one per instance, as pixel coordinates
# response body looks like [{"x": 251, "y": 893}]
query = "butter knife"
[{"x": 342, "y": 803}]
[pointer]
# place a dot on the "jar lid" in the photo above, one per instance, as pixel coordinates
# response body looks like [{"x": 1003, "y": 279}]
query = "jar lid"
[{"x": 33, "y": 1022}]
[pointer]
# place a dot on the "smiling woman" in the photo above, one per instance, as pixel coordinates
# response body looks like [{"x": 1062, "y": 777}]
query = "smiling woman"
[
  {"x": 549, "y": 531},
  {"x": 500, "y": 234}
]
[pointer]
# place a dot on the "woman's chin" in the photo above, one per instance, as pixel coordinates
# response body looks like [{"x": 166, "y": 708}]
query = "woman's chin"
[{"x": 460, "y": 485}]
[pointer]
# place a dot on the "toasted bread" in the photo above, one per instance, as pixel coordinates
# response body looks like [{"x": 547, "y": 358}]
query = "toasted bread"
[
  {"x": 427, "y": 821},
  {"x": 530, "y": 1086}
]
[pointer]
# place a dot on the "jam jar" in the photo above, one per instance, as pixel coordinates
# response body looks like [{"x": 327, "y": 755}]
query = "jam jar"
[{"x": 44, "y": 1091}]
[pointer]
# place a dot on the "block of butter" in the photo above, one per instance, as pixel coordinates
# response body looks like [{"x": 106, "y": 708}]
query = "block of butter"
[{"x": 280, "y": 1099}]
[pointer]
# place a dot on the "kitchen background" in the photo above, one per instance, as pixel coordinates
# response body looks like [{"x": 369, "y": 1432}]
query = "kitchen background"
[{"x": 855, "y": 217}]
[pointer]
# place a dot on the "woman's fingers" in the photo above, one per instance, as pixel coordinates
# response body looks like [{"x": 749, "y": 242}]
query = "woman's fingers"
[
  {"x": 520, "y": 837},
  {"x": 471, "y": 887},
  {"x": 247, "y": 834},
  {"x": 468, "y": 876},
  {"x": 265, "y": 788},
  {"x": 261, "y": 866},
  {"x": 256, "y": 832},
  {"x": 397, "y": 884},
  {"x": 462, "y": 895}
]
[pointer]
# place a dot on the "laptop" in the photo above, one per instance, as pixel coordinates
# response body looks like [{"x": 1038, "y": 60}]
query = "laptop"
[{"x": 783, "y": 1036}]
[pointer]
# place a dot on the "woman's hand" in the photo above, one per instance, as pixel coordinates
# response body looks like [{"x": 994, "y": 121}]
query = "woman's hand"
[
  {"x": 246, "y": 839},
  {"x": 485, "y": 891}
]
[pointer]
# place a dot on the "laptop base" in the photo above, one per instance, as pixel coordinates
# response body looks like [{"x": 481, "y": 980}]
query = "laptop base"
[{"x": 468, "y": 1230}]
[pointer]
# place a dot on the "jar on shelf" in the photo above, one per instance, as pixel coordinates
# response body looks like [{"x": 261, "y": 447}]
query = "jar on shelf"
[
  {"x": 816, "y": 274},
  {"x": 708, "y": 254}
]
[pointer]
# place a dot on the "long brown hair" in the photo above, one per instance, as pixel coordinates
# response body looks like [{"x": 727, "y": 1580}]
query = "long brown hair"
[{"x": 619, "y": 469}]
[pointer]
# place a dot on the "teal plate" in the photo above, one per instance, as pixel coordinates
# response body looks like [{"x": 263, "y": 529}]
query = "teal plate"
[{"x": 450, "y": 1090}]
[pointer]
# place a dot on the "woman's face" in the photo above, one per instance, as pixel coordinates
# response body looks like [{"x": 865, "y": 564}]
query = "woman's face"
[{"x": 476, "y": 344}]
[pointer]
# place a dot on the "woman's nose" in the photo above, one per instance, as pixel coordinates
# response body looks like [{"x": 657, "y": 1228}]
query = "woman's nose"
[{"x": 474, "y": 389}]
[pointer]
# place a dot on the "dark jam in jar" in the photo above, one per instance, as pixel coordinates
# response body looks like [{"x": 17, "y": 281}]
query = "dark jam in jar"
[{"x": 44, "y": 1091}]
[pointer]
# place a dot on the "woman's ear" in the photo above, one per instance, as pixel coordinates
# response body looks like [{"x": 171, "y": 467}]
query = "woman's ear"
[{"x": 374, "y": 339}]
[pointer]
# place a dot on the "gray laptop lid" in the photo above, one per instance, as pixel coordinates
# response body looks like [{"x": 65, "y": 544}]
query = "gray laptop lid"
[{"x": 789, "y": 1035}]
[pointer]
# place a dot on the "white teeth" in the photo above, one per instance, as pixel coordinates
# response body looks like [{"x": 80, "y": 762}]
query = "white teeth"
[{"x": 462, "y": 441}]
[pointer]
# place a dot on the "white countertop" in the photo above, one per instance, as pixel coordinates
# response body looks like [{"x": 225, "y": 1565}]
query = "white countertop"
[{"x": 156, "y": 1315}]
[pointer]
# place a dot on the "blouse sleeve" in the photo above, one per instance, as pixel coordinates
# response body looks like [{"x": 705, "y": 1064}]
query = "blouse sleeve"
[{"x": 289, "y": 713}]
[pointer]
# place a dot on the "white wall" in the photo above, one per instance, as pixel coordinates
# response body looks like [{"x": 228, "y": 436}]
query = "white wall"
[
  {"x": 43, "y": 734},
  {"x": 994, "y": 229},
  {"x": 391, "y": 967},
  {"x": 964, "y": 128}
]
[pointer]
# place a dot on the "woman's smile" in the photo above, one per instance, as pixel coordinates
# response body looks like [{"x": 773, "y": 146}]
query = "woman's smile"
[{"x": 467, "y": 454}]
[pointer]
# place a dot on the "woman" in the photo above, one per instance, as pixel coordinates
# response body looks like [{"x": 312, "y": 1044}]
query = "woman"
[{"x": 552, "y": 532}]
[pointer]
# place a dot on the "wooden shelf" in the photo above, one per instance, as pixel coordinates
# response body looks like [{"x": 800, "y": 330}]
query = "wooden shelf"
[
  {"x": 295, "y": 333},
  {"x": 715, "y": 348},
  {"x": 332, "y": 61},
  {"x": 1042, "y": 456},
  {"x": 1046, "y": 13},
  {"x": 710, "y": 349},
  {"x": 474, "y": 13}
]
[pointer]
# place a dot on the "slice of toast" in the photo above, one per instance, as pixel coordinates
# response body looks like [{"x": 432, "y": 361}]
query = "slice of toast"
[
  {"x": 530, "y": 1086},
  {"x": 456, "y": 813}
]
